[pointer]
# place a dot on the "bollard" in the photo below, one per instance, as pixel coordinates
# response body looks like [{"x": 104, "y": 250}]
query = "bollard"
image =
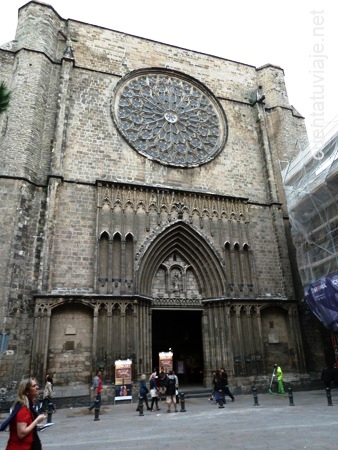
[
  {"x": 290, "y": 397},
  {"x": 328, "y": 395},
  {"x": 140, "y": 406},
  {"x": 97, "y": 410},
  {"x": 50, "y": 412},
  {"x": 182, "y": 401},
  {"x": 255, "y": 396}
]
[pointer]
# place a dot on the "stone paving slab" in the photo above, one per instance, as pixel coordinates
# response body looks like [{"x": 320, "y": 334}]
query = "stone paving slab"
[{"x": 310, "y": 424}]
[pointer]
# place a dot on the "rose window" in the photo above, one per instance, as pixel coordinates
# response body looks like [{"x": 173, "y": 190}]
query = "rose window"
[{"x": 168, "y": 118}]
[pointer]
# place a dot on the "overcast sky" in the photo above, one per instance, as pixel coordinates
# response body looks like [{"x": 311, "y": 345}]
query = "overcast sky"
[{"x": 298, "y": 35}]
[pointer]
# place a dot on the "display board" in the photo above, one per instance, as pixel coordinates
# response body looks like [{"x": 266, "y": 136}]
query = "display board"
[
  {"x": 123, "y": 379},
  {"x": 166, "y": 361}
]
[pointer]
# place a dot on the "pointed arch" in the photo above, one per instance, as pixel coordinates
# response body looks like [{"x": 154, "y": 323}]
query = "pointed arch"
[{"x": 183, "y": 240}]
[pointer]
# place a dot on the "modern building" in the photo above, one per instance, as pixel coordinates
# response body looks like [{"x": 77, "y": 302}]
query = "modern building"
[{"x": 143, "y": 209}]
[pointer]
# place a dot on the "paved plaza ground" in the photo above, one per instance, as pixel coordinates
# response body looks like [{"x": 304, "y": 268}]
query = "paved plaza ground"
[{"x": 310, "y": 424}]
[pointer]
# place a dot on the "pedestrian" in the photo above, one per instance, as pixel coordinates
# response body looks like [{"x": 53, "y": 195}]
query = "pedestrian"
[
  {"x": 143, "y": 392},
  {"x": 326, "y": 376},
  {"x": 153, "y": 392},
  {"x": 48, "y": 394},
  {"x": 279, "y": 375},
  {"x": 218, "y": 389},
  {"x": 176, "y": 388},
  {"x": 212, "y": 397},
  {"x": 162, "y": 376},
  {"x": 171, "y": 391},
  {"x": 97, "y": 389},
  {"x": 335, "y": 376},
  {"x": 226, "y": 389},
  {"x": 23, "y": 421},
  {"x": 153, "y": 372}
]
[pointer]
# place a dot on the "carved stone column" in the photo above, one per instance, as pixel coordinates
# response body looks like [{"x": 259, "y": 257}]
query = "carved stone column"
[
  {"x": 239, "y": 332},
  {"x": 296, "y": 337},
  {"x": 260, "y": 335},
  {"x": 46, "y": 340},
  {"x": 109, "y": 329},
  {"x": 123, "y": 329},
  {"x": 95, "y": 322},
  {"x": 123, "y": 266},
  {"x": 206, "y": 347}
]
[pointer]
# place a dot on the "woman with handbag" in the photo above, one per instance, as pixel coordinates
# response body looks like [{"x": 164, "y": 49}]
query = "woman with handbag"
[
  {"x": 23, "y": 423},
  {"x": 153, "y": 392}
]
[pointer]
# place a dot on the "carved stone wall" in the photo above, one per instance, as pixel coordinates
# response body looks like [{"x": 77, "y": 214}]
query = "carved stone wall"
[
  {"x": 136, "y": 177},
  {"x": 131, "y": 219}
]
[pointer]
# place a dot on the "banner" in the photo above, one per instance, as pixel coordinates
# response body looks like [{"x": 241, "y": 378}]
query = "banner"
[
  {"x": 123, "y": 381},
  {"x": 322, "y": 298},
  {"x": 123, "y": 392},
  {"x": 166, "y": 361}
]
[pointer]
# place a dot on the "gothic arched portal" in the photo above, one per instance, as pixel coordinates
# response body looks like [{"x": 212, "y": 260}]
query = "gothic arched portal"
[
  {"x": 178, "y": 271},
  {"x": 182, "y": 241}
]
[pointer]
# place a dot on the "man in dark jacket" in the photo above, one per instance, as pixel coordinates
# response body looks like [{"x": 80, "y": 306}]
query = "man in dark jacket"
[
  {"x": 326, "y": 376},
  {"x": 226, "y": 389},
  {"x": 335, "y": 376}
]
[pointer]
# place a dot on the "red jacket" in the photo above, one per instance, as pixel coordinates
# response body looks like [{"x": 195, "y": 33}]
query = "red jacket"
[{"x": 14, "y": 443}]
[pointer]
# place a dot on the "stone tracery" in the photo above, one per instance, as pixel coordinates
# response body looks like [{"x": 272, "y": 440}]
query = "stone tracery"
[{"x": 169, "y": 118}]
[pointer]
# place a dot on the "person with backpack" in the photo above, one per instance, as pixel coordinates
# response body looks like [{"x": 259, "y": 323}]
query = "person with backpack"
[{"x": 171, "y": 391}]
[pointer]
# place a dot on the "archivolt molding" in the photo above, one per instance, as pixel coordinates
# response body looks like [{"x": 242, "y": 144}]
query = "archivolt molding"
[
  {"x": 182, "y": 239},
  {"x": 45, "y": 306},
  {"x": 188, "y": 303},
  {"x": 151, "y": 239},
  {"x": 288, "y": 307},
  {"x": 238, "y": 308}
]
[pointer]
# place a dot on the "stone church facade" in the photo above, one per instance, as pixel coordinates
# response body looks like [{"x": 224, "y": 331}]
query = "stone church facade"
[{"x": 143, "y": 209}]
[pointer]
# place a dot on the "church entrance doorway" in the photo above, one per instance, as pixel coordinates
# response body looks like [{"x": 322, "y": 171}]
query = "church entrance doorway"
[{"x": 180, "y": 331}]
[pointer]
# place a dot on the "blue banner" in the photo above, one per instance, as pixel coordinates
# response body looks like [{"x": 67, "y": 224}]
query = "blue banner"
[{"x": 322, "y": 298}]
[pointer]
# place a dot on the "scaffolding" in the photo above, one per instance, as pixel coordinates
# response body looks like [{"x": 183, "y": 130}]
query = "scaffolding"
[{"x": 311, "y": 187}]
